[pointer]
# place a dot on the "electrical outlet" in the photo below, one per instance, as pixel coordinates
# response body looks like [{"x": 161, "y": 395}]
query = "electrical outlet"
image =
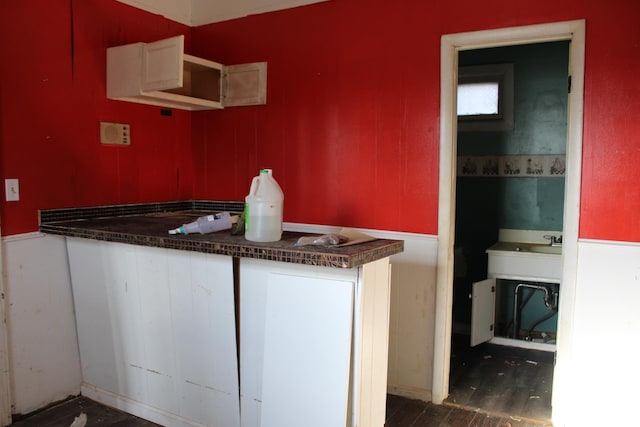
[
  {"x": 12, "y": 189},
  {"x": 115, "y": 133}
]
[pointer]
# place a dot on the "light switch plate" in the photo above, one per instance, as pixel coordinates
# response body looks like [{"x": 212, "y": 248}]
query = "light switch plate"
[
  {"x": 12, "y": 189},
  {"x": 115, "y": 133}
]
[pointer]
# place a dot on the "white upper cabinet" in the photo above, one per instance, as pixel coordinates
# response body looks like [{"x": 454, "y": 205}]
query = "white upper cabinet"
[{"x": 161, "y": 74}]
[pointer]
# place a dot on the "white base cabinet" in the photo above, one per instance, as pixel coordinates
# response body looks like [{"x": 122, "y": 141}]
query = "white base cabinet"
[{"x": 157, "y": 336}]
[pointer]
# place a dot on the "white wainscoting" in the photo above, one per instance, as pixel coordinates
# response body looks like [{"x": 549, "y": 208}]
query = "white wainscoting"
[
  {"x": 43, "y": 347},
  {"x": 598, "y": 369}
]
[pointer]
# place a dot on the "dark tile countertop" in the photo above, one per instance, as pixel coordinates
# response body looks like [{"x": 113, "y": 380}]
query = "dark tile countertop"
[{"x": 148, "y": 225}]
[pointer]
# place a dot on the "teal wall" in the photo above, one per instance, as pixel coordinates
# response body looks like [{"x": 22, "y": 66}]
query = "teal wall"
[{"x": 540, "y": 116}]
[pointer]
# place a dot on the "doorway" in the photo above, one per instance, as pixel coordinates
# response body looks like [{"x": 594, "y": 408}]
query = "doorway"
[
  {"x": 505, "y": 185},
  {"x": 573, "y": 31}
]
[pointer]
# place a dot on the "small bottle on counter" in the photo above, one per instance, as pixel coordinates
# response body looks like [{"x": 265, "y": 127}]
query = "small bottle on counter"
[{"x": 205, "y": 224}]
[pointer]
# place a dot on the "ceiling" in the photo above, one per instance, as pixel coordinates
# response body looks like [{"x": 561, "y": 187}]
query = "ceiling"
[{"x": 201, "y": 12}]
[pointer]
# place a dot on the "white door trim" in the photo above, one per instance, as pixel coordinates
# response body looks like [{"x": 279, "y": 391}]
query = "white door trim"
[{"x": 450, "y": 45}]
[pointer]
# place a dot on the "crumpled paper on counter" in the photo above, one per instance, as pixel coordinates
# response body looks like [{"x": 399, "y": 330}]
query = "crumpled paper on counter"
[{"x": 345, "y": 237}]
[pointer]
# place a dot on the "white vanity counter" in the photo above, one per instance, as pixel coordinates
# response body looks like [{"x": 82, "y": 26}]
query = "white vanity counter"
[{"x": 526, "y": 261}]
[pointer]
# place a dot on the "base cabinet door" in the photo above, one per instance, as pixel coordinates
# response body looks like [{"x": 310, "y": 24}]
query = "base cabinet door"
[
  {"x": 156, "y": 329},
  {"x": 482, "y": 311},
  {"x": 307, "y": 351},
  {"x": 296, "y": 338},
  {"x": 313, "y": 344}
]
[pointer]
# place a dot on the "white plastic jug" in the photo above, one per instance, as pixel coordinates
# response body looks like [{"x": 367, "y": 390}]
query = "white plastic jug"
[{"x": 263, "y": 209}]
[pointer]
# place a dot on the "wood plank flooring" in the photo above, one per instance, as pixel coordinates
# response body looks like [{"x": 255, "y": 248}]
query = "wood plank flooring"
[
  {"x": 401, "y": 412},
  {"x": 491, "y": 386},
  {"x": 64, "y": 413},
  {"x": 500, "y": 380}
]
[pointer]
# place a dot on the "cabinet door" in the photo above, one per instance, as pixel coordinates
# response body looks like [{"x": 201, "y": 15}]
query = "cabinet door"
[
  {"x": 482, "y": 311},
  {"x": 307, "y": 344},
  {"x": 101, "y": 354},
  {"x": 156, "y": 331},
  {"x": 162, "y": 64},
  {"x": 245, "y": 84},
  {"x": 203, "y": 324}
]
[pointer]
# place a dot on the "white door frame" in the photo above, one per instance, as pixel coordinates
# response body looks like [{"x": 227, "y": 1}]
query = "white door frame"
[{"x": 450, "y": 46}]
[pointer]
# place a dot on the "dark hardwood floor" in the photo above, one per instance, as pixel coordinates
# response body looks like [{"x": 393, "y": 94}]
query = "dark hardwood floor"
[
  {"x": 506, "y": 381},
  {"x": 491, "y": 386},
  {"x": 401, "y": 412},
  {"x": 64, "y": 413}
]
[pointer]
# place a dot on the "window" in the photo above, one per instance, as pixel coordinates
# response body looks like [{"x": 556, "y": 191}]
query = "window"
[
  {"x": 485, "y": 98},
  {"x": 478, "y": 99}
]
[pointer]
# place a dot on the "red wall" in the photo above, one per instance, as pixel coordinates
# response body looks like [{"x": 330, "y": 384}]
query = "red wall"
[
  {"x": 351, "y": 127},
  {"x": 51, "y": 105}
]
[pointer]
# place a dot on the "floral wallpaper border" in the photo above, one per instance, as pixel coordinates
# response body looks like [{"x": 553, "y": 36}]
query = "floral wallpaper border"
[{"x": 552, "y": 165}]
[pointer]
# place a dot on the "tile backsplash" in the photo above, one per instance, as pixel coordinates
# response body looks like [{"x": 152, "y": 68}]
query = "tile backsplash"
[{"x": 531, "y": 166}]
